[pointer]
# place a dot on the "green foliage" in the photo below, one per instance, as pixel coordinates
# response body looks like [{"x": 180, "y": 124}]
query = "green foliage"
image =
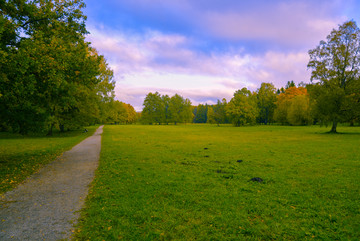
[
  {"x": 217, "y": 113},
  {"x": 200, "y": 113},
  {"x": 180, "y": 109},
  {"x": 160, "y": 183},
  {"x": 290, "y": 84},
  {"x": 167, "y": 113},
  {"x": 22, "y": 156},
  {"x": 163, "y": 109},
  {"x": 299, "y": 111},
  {"x": 154, "y": 109},
  {"x": 335, "y": 65},
  {"x": 266, "y": 98},
  {"x": 211, "y": 115},
  {"x": 292, "y": 109},
  {"x": 120, "y": 113},
  {"x": 242, "y": 108},
  {"x": 49, "y": 76}
]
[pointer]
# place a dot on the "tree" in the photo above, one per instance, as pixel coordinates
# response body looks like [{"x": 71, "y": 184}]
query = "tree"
[
  {"x": 217, "y": 113},
  {"x": 211, "y": 115},
  {"x": 200, "y": 113},
  {"x": 335, "y": 76},
  {"x": 153, "y": 110},
  {"x": 242, "y": 108},
  {"x": 284, "y": 102},
  {"x": 299, "y": 111},
  {"x": 167, "y": 114},
  {"x": 180, "y": 109},
  {"x": 290, "y": 84},
  {"x": 266, "y": 98},
  {"x": 49, "y": 76},
  {"x": 187, "y": 113},
  {"x": 131, "y": 114}
]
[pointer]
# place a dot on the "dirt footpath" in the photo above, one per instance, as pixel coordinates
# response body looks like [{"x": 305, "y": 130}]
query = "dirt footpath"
[{"x": 45, "y": 206}]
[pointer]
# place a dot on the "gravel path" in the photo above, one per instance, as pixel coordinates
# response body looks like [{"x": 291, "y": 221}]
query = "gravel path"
[{"x": 45, "y": 206}]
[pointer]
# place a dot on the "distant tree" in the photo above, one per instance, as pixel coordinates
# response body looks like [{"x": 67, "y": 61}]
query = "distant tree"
[
  {"x": 242, "y": 108},
  {"x": 284, "y": 103},
  {"x": 200, "y": 113},
  {"x": 299, "y": 111},
  {"x": 302, "y": 84},
  {"x": 180, "y": 109},
  {"x": 217, "y": 113},
  {"x": 131, "y": 114},
  {"x": 121, "y": 114},
  {"x": 211, "y": 115},
  {"x": 188, "y": 115},
  {"x": 335, "y": 65},
  {"x": 266, "y": 98},
  {"x": 176, "y": 106},
  {"x": 167, "y": 114},
  {"x": 153, "y": 111},
  {"x": 290, "y": 84}
]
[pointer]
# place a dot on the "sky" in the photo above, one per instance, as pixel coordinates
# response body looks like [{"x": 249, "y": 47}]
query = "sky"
[{"x": 205, "y": 50}]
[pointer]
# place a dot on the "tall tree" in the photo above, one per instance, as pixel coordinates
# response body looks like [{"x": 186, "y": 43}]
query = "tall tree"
[
  {"x": 187, "y": 113},
  {"x": 284, "y": 102},
  {"x": 211, "y": 115},
  {"x": 49, "y": 75},
  {"x": 299, "y": 111},
  {"x": 335, "y": 65},
  {"x": 266, "y": 98},
  {"x": 200, "y": 113},
  {"x": 167, "y": 114},
  {"x": 217, "y": 113},
  {"x": 180, "y": 109},
  {"x": 153, "y": 111},
  {"x": 290, "y": 84},
  {"x": 242, "y": 108}
]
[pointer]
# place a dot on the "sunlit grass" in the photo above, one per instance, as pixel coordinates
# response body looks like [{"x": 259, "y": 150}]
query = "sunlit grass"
[
  {"x": 22, "y": 156},
  {"x": 185, "y": 183}
]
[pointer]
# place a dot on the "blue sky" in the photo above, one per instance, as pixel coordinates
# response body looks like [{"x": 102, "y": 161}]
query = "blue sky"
[{"x": 205, "y": 50}]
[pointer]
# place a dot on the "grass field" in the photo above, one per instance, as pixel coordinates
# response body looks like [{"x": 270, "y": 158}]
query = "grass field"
[
  {"x": 187, "y": 183},
  {"x": 22, "y": 156}
]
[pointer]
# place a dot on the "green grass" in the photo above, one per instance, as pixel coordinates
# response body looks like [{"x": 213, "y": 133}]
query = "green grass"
[
  {"x": 161, "y": 183},
  {"x": 22, "y": 156}
]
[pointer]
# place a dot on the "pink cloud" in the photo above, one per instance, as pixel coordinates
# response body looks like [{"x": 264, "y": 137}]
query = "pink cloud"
[
  {"x": 168, "y": 64},
  {"x": 290, "y": 23},
  {"x": 136, "y": 95}
]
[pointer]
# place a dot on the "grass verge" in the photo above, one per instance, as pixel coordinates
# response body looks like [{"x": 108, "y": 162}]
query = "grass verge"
[
  {"x": 22, "y": 156},
  {"x": 193, "y": 183}
]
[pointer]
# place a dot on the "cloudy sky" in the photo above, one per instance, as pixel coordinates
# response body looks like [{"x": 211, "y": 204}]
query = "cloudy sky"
[{"x": 205, "y": 50}]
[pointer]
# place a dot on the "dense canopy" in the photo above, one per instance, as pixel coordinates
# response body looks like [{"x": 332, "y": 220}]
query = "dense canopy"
[{"x": 50, "y": 77}]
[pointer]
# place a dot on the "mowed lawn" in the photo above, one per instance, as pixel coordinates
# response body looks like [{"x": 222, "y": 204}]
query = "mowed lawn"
[
  {"x": 22, "y": 156},
  {"x": 191, "y": 182}
]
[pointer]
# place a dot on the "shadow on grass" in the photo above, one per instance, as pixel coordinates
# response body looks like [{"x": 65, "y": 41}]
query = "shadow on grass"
[
  {"x": 342, "y": 133},
  {"x": 56, "y": 134},
  {"x": 330, "y": 133}
]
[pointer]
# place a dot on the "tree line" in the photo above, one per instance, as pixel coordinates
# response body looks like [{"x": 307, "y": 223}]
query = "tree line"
[
  {"x": 164, "y": 109},
  {"x": 50, "y": 77},
  {"x": 332, "y": 97},
  {"x": 286, "y": 106},
  {"x": 267, "y": 105}
]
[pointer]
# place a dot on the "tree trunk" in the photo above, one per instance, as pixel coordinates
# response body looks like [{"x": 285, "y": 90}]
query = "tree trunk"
[
  {"x": 50, "y": 132},
  {"x": 62, "y": 128},
  {"x": 333, "y": 128}
]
